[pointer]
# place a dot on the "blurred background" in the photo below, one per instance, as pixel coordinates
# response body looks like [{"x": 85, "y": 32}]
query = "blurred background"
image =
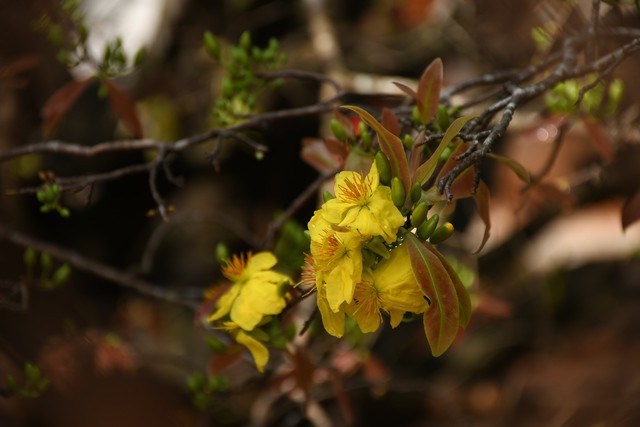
[{"x": 554, "y": 339}]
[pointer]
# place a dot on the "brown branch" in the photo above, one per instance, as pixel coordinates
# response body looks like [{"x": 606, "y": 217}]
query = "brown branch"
[{"x": 188, "y": 298}]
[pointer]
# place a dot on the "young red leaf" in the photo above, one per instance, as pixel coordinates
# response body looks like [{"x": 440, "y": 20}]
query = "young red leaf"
[
  {"x": 442, "y": 318},
  {"x": 464, "y": 301},
  {"x": 429, "y": 89},
  {"x": 390, "y": 121},
  {"x": 516, "y": 167},
  {"x": 406, "y": 89},
  {"x": 482, "y": 204},
  {"x": 124, "y": 108},
  {"x": 60, "y": 102},
  {"x": 390, "y": 145},
  {"x": 631, "y": 210},
  {"x": 424, "y": 172}
]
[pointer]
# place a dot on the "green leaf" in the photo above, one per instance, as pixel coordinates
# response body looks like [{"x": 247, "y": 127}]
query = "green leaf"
[
  {"x": 449, "y": 307},
  {"x": 482, "y": 204},
  {"x": 516, "y": 167},
  {"x": 429, "y": 88},
  {"x": 390, "y": 145},
  {"x": 424, "y": 172}
]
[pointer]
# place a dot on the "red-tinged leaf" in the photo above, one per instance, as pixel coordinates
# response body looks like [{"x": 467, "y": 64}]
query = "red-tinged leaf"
[
  {"x": 429, "y": 89},
  {"x": 319, "y": 155},
  {"x": 390, "y": 121},
  {"x": 124, "y": 108},
  {"x": 406, "y": 89},
  {"x": 60, "y": 102},
  {"x": 424, "y": 172},
  {"x": 416, "y": 153},
  {"x": 19, "y": 66},
  {"x": 349, "y": 126},
  {"x": 516, "y": 167},
  {"x": 464, "y": 300},
  {"x": 442, "y": 318},
  {"x": 482, "y": 204},
  {"x": 631, "y": 210},
  {"x": 390, "y": 145},
  {"x": 304, "y": 369}
]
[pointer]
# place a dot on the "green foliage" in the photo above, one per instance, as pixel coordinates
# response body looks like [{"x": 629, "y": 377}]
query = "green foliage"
[
  {"x": 245, "y": 66},
  {"x": 33, "y": 386},
  {"x": 599, "y": 100},
  {"x": 290, "y": 248},
  {"x": 49, "y": 196},
  {"x": 205, "y": 389},
  {"x": 51, "y": 277}
]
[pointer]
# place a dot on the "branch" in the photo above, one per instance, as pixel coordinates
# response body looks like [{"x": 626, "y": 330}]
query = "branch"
[{"x": 188, "y": 297}]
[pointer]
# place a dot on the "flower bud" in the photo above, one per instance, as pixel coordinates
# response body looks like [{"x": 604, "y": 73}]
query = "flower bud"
[
  {"x": 398, "y": 193},
  {"x": 442, "y": 233},
  {"x": 222, "y": 253},
  {"x": 384, "y": 168},
  {"x": 408, "y": 142},
  {"x": 212, "y": 45},
  {"x": 61, "y": 275},
  {"x": 419, "y": 214},
  {"x": 338, "y": 130},
  {"x": 416, "y": 192},
  {"x": 426, "y": 229}
]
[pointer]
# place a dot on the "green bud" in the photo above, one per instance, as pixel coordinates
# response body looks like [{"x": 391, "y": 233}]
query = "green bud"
[
  {"x": 216, "y": 345},
  {"x": 442, "y": 117},
  {"x": 338, "y": 130},
  {"x": 64, "y": 212},
  {"x": 326, "y": 196},
  {"x": 442, "y": 233},
  {"x": 29, "y": 258},
  {"x": 259, "y": 155},
  {"x": 398, "y": 192},
  {"x": 426, "y": 229},
  {"x": 384, "y": 168},
  {"x": 227, "y": 87},
  {"x": 212, "y": 45},
  {"x": 419, "y": 214},
  {"x": 61, "y": 275},
  {"x": 222, "y": 252},
  {"x": 408, "y": 142},
  {"x": 416, "y": 192},
  {"x": 415, "y": 115},
  {"x": 245, "y": 41},
  {"x": 45, "y": 263},
  {"x": 366, "y": 140},
  {"x": 446, "y": 153}
]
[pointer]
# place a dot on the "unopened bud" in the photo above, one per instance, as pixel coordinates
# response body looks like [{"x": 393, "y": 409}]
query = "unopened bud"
[
  {"x": 398, "y": 193},
  {"x": 419, "y": 214},
  {"x": 384, "y": 168},
  {"x": 338, "y": 130},
  {"x": 416, "y": 192},
  {"x": 426, "y": 229},
  {"x": 408, "y": 142},
  {"x": 442, "y": 233}
]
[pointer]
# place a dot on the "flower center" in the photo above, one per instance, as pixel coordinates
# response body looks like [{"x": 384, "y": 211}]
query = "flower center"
[
  {"x": 329, "y": 251},
  {"x": 355, "y": 190},
  {"x": 235, "y": 267}
]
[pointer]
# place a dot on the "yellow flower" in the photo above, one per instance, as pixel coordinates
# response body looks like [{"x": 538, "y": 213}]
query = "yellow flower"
[
  {"x": 256, "y": 290},
  {"x": 364, "y": 206},
  {"x": 333, "y": 322},
  {"x": 339, "y": 257},
  {"x": 258, "y": 350},
  {"x": 391, "y": 287}
]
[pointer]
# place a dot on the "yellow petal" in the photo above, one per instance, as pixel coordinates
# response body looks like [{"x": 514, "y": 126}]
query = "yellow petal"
[
  {"x": 224, "y": 304},
  {"x": 260, "y": 261},
  {"x": 333, "y": 322},
  {"x": 256, "y": 299},
  {"x": 258, "y": 350}
]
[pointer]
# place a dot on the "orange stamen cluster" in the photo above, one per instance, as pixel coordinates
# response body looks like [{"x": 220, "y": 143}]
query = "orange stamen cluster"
[
  {"x": 236, "y": 265},
  {"x": 308, "y": 274},
  {"x": 356, "y": 190}
]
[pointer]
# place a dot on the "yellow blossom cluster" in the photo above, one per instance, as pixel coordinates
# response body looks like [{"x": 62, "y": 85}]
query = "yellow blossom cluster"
[
  {"x": 349, "y": 281},
  {"x": 256, "y": 292}
]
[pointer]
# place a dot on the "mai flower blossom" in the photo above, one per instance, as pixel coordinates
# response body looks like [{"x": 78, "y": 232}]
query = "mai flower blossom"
[
  {"x": 258, "y": 350},
  {"x": 364, "y": 206},
  {"x": 391, "y": 287},
  {"x": 256, "y": 291}
]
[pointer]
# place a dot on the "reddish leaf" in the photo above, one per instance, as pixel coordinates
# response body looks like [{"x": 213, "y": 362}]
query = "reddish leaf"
[
  {"x": 60, "y": 102},
  {"x": 124, "y": 108},
  {"x": 424, "y": 172},
  {"x": 406, "y": 89},
  {"x": 631, "y": 210},
  {"x": 482, "y": 204},
  {"x": 464, "y": 184},
  {"x": 390, "y": 121},
  {"x": 304, "y": 369},
  {"x": 390, "y": 145},
  {"x": 442, "y": 318},
  {"x": 320, "y": 155},
  {"x": 516, "y": 167},
  {"x": 221, "y": 361},
  {"x": 19, "y": 66},
  {"x": 429, "y": 88}
]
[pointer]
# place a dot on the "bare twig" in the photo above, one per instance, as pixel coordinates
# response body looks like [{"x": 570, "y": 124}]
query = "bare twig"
[{"x": 186, "y": 297}]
